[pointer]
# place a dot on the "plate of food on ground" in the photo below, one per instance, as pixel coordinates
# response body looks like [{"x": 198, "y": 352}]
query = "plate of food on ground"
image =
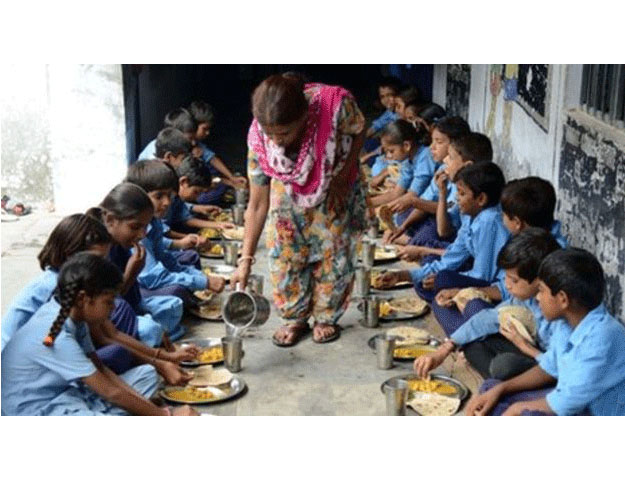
[
  {"x": 211, "y": 351},
  {"x": 224, "y": 271},
  {"x": 410, "y": 342},
  {"x": 402, "y": 308},
  {"x": 208, "y": 307},
  {"x": 223, "y": 216},
  {"x": 437, "y": 395},
  {"x": 210, "y": 233},
  {"x": 376, "y": 280},
  {"x": 233, "y": 233},
  {"x": 212, "y": 250},
  {"x": 204, "y": 395}
]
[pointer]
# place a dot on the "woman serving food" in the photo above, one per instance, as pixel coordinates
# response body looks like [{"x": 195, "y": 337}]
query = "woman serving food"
[{"x": 303, "y": 166}]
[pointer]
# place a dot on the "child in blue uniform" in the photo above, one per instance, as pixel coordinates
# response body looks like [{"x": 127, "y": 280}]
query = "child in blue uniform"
[
  {"x": 491, "y": 349},
  {"x": 585, "y": 364},
  {"x": 179, "y": 119},
  {"x": 528, "y": 202},
  {"x": 481, "y": 237},
  {"x": 408, "y": 206},
  {"x": 205, "y": 118},
  {"x": 49, "y": 367},
  {"x": 163, "y": 274},
  {"x": 434, "y": 234},
  {"x": 388, "y": 89}
]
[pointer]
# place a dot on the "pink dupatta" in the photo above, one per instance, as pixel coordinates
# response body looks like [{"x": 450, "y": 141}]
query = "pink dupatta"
[{"x": 307, "y": 178}]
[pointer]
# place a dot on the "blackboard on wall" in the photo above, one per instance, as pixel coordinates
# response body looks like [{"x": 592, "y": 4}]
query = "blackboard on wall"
[{"x": 534, "y": 92}]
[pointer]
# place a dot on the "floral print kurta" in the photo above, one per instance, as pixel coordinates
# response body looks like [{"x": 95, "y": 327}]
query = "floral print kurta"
[{"x": 312, "y": 250}]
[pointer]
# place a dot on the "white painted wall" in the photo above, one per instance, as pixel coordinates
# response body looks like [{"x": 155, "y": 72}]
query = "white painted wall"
[{"x": 87, "y": 133}]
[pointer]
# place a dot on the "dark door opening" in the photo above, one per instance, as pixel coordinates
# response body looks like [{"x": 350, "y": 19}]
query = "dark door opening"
[{"x": 150, "y": 91}]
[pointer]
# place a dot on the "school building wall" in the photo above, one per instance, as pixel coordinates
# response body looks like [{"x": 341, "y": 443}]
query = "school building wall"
[{"x": 531, "y": 114}]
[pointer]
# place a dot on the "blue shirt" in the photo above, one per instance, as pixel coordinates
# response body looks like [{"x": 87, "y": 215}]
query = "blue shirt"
[
  {"x": 431, "y": 194},
  {"x": 480, "y": 237},
  {"x": 33, "y": 375},
  {"x": 589, "y": 364},
  {"x": 119, "y": 256},
  {"x": 149, "y": 152},
  {"x": 383, "y": 120},
  {"x": 179, "y": 212},
  {"x": 486, "y": 322},
  {"x": 380, "y": 164},
  {"x": 33, "y": 296},
  {"x": 207, "y": 156},
  {"x": 161, "y": 267},
  {"x": 417, "y": 171}
]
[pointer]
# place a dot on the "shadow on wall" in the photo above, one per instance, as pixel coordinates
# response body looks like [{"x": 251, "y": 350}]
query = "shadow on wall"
[{"x": 592, "y": 203}]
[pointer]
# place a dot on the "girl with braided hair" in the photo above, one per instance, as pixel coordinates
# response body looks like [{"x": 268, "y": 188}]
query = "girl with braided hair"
[{"x": 50, "y": 367}]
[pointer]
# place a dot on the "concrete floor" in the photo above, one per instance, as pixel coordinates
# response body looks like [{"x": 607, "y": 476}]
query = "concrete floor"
[{"x": 338, "y": 378}]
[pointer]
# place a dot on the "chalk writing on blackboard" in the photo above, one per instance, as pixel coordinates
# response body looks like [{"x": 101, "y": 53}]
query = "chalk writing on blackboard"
[{"x": 534, "y": 92}]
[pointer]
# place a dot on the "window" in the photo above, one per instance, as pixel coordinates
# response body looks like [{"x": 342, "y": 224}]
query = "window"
[{"x": 603, "y": 93}]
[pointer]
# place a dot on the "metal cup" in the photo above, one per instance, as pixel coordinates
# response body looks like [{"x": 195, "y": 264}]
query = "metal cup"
[
  {"x": 374, "y": 228},
  {"x": 371, "y": 312},
  {"x": 396, "y": 393},
  {"x": 233, "y": 352},
  {"x": 363, "y": 281},
  {"x": 238, "y": 215},
  {"x": 384, "y": 348},
  {"x": 242, "y": 309},
  {"x": 231, "y": 253},
  {"x": 368, "y": 254},
  {"x": 240, "y": 195},
  {"x": 255, "y": 284}
]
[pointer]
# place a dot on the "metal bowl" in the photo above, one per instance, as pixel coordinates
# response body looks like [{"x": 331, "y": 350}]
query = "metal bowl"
[
  {"x": 202, "y": 343},
  {"x": 222, "y": 393}
]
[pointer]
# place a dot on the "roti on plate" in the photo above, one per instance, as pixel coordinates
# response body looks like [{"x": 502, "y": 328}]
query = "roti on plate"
[
  {"x": 207, "y": 376},
  {"x": 410, "y": 336},
  {"x": 521, "y": 318},
  {"x": 433, "y": 404},
  {"x": 408, "y": 304},
  {"x": 385, "y": 253},
  {"x": 233, "y": 233}
]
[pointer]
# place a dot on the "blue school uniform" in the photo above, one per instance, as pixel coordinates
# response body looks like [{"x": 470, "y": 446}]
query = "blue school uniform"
[
  {"x": 481, "y": 238},
  {"x": 589, "y": 363},
  {"x": 486, "y": 322},
  {"x": 557, "y": 234},
  {"x": 207, "y": 156},
  {"x": 417, "y": 171},
  {"x": 178, "y": 213},
  {"x": 431, "y": 194},
  {"x": 161, "y": 267},
  {"x": 33, "y": 296},
  {"x": 40, "y": 380},
  {"x": 153, "y": 312},
  {"x": 149, "y": 152},
  {"x": 383, "y": 120}
]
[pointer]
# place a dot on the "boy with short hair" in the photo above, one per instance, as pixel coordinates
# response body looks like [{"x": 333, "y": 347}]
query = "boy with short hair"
[
  {"x": 496, "y": 350},
  {"x": 163, "y": 274},
  {"x": 204, "y": 117},
  {"x": 179, "y": 119},
  {"x": 171, "y": 146},
  {"x": 586, "y": 356},
  {"x": 481, "y": 237}
]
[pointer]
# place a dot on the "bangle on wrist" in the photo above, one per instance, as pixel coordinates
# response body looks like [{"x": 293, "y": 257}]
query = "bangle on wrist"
[{"x": 246, "y": 257}]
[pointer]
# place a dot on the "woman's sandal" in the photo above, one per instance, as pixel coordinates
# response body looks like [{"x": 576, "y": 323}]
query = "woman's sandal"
[
  {"x": 299, "y": 329},
  {"x": 332, "y": 337}
]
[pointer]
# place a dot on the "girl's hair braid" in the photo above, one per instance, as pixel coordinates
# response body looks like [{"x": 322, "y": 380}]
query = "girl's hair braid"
[
  {"x": 86, "y": 272},
  {"x": 66, "y": 298}
]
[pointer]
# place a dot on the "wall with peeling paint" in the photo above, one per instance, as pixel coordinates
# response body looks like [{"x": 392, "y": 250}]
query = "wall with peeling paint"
[{"x": 583, "y": 157}]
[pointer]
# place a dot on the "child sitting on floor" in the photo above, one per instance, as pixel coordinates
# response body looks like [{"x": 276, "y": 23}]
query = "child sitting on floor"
[
  {"x": 409, "y": 207},
  {"x": 126, "y": 212},
  {"x": 528, "y": 202},
  {"x": 204, "y": 117},
  {"x": 435, "y": 233},
  {"x": 163, "y": 274},
  {"x": 49, "y": 367},
  {"x": 481, "y": 237},
  {"x": 181, "y": 120},
  {"x": 388, "y": 89},
  {"x": 497, "y": 349},
  {"x": 172, "y": 146},
  {"x": 408, "y": 96},
  {"x": 586, "y": 356}
]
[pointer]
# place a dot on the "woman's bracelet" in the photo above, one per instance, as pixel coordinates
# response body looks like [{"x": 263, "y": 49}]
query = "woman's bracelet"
[{"x": 246, "y": 257}]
